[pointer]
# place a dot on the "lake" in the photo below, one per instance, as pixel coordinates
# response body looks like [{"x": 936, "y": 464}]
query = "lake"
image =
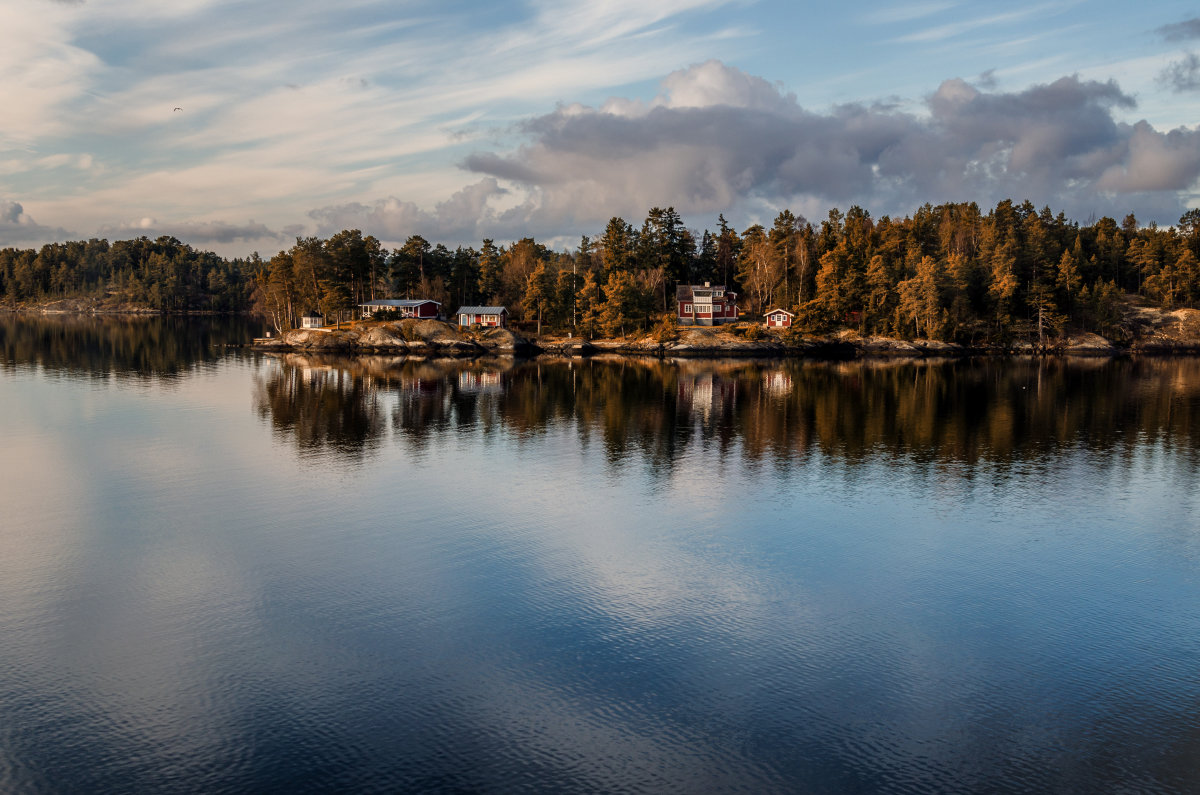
[{"x": 226, "y": 571}]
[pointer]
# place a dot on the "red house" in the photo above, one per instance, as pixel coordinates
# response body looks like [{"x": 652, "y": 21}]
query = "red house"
[
  {"x": 422, "y": 308},
  {"x": 779, "y": 318},
  {"x": 705, "y": 305},
  {"x": 483, "y": 315}
]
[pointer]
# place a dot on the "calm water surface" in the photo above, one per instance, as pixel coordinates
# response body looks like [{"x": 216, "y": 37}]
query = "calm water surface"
[{"x": 230, "y": 572}]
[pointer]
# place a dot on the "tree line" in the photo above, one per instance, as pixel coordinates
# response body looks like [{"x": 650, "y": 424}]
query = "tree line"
[
  {"x": 162, "y": 274},
  {"x": 950, "y": 272}
]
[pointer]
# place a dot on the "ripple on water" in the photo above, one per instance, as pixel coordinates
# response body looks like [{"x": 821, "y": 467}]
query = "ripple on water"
[{"x": 592, "y": 585}]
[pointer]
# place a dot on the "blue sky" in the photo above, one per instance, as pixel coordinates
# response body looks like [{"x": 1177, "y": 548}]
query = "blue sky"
[{"x": 463, "y": 120}]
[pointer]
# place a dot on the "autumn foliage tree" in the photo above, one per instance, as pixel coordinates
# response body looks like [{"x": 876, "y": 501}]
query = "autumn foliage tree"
[{"x": 952, "y": 271}]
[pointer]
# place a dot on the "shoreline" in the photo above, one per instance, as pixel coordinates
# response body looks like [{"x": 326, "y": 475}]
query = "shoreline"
[
  {"x": 1151, "y": 333},
  {"x": 348, "y": 343}
]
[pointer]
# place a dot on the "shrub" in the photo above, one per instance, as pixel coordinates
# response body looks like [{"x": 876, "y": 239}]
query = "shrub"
[
  {"x": 812, "y": 317},
  {"x": 792, "y": 336},
  {"x": 667, "y": 329}
]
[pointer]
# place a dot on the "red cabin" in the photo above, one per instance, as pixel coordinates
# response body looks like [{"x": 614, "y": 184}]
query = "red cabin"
[
  {"x": 779, "y": 318},
  {"x": 422, "y": 308},
  {"x": 483, "y": 315}
]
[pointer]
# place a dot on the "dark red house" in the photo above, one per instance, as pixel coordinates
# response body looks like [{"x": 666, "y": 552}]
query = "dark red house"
[
  {"x": 407, "y": 307},
  {"x": 705, "y": 305}
]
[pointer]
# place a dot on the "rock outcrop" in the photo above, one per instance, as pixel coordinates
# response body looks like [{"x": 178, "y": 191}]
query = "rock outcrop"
[
  {"x": 401, "y": 337},
  {"x": 1142, "y": 329}
]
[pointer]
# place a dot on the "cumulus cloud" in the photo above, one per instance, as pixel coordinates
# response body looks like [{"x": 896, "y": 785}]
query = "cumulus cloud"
[
  {"x": 197, "y": 232},
  {"x": 17, "y": 228},
  {"x": 716, "y": 138},
  {"x": 1153, "y": 161},
  {"x": 468, "y": 215},
  {"x": 1181, "y": 31}
]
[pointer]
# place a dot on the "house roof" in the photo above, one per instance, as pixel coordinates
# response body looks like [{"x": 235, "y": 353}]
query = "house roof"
[
  {"x": 481, "y": 310},
  {"x": 683, "y": 292},
  {"x": 400, "y": 302},
  {"x": 777, "y": 311}
]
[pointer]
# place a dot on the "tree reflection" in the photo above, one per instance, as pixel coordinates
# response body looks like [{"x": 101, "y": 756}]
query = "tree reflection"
[
  {"x": 124, "y": 346},
  {"x": 964, "y": 412}
]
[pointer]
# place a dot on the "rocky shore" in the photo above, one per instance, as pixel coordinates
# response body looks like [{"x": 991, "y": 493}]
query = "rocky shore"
[
  {"x": 1144, "y": 331},
  {"x": 401, "y": 337},
  {"x": 79, "y": 306}
]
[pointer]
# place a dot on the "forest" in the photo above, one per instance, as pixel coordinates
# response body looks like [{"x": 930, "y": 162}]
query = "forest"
[
  {"x": 947, "y": 272},
  {"x": 163, "y": 274}
]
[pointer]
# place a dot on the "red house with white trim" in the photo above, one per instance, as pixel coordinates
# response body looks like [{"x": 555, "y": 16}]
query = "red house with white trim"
[
  {"x": 705, "y": 305},
  {"x": 483, "y": 315},
  {"x": 778, "y": 318},
  {"x": 422, "y": 308}
]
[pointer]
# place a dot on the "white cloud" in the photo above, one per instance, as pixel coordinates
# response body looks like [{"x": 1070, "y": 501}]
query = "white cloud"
[
  {"x": 195, "y": 231},
  {"x": 40, "y": 72},
  {"x": 467, "y": 216},
  {"x": 906, "y": 13},
  {"x": 333, "y": 107},
  {"x": 1056, "y": 143},
  {"x": 1152, "y": 161},
  {"x": 18, "y": 228},
  {"x": 955, "y": 29},
  {"x": 279, "y": 108}
]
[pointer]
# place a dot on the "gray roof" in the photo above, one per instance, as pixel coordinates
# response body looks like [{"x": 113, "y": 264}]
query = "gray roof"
[
  {"x": 481, "y": 310},
  {"x": 683, "y": 292},
  {"x": 400, "y": 302}
]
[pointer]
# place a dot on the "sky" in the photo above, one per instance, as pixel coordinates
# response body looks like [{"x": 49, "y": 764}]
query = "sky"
[{"x": 237, "y": 127}]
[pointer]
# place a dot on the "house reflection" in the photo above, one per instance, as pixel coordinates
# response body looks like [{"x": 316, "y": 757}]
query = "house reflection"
[{"x": 949, "y": 415}]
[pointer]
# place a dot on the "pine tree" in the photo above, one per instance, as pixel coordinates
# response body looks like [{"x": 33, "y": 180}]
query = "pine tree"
[
  {"x": 489, "y": 272},
  {"x": 541, "y": 293},
  {"x": 588, "y": 302},
  {"x": 620, "y": 303}
]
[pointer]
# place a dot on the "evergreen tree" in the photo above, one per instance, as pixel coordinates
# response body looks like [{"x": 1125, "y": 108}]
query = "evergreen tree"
[
  {"x": 621, "y": 300},
  {"x": 618, "y": 246},
  {"x": 489, "y": 272},
  {"x": 541, "y": 293},
  {"x": 588, "y": 303}
]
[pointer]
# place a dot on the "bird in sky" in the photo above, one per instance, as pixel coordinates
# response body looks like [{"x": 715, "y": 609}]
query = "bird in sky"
[{"x": 177, "y": 109}]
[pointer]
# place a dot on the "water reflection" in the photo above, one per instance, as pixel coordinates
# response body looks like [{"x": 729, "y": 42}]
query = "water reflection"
[
  {"x": 607, "y": 576},
  {"x": 960, "y": 413},
  {"x": 124, "y": 346}
]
